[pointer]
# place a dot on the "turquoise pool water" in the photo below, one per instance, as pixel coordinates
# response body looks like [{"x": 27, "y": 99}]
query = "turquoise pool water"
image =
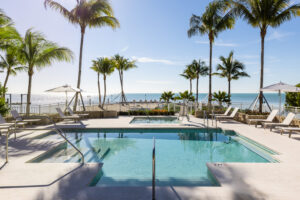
[
  {"x": 154, "y": 120},
  {"x": 181, "y": 154}
]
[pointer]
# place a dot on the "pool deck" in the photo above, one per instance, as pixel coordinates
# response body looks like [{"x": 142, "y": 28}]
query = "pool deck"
[{"x": 21, "y": 180}]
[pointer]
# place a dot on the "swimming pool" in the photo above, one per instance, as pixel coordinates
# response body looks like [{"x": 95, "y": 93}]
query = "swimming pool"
[
  {"x": 154, "y": 120},
  {"x": 181, "y": 154}
]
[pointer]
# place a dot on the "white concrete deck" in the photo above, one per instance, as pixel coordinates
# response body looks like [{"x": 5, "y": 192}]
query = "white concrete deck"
[{"x": 21, "y": 180}]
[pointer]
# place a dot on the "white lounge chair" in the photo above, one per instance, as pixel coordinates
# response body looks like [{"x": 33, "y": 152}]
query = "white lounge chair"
[
  {"x": 232, "y": 115},
  {"x": 290, "y": 130},
  {"x": 20, "y": 119},
  {"x": 224, "y": 114},
  {"x": 80, "y": 115},
  {"x": 270, "y": 118},
  {"x": 286, "y": 122},
  {"x": 62, "y": 116}
]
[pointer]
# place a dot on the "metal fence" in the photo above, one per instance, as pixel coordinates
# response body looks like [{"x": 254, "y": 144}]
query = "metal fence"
[{"x": 132, "y": 106}]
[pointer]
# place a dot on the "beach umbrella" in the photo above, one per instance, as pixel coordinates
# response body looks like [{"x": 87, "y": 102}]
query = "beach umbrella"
[
  {"x": 65, "y": 89},
  {"x": 280, "y": 87}
]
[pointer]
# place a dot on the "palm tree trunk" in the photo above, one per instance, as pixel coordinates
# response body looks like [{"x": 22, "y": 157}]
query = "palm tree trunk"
[
  {"x": 210, "y": 72},
  {"x": 122, "y": 88},
  {"x": 30, "y": 73},
  {"x": 229, "y": 90},
  {"x": 99, "y": 89},
  {"x": 5, "y": 81},
  {"x": 197, "y": 90},
  {"x": 79, "y": 67},
  {"x": 104, "y": 79},
  {"x": 191, "y": 89},
  {"x": 262, "y": 34}
]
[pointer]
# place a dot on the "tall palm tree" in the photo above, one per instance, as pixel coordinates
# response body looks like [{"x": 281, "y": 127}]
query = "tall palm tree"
[
  {"x": 104, "y": 66},
  {"x": 87, "y": 13},
  {"x": 200, "y": 69},
  {"x": 36, "y": 53},
  {"x": 123, "y": 64},
  {"x": 264, "y": 14},
  {"x": 230, "y": 69},
  {"x": 189, "y": 74},
  {"x": 11, "y": 64},
  {"x": 214, "y": 20},
  {"x": 96, "y": 68}
]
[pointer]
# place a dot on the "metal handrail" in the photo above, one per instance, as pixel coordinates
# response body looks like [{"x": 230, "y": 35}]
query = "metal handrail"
[
  {"x": 56, "y": 129},
  {"x": 153, "y": 170}
]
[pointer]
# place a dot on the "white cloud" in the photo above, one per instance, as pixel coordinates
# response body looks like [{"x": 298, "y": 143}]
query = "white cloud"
[
  {"x": 152, "y": 60},
  {"x": 125, "y": 49},
  {"x": 154, "y": 82},
  {"x": 218, "y": 43},
  {"x": 276, "y": 35}
]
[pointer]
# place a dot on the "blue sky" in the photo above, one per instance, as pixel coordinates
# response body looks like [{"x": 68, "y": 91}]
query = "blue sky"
[{"x": 154, "y": 32}]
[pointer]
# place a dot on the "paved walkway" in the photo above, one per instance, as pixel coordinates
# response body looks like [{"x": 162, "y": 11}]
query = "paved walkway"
[{"x": 21, "y": 180}]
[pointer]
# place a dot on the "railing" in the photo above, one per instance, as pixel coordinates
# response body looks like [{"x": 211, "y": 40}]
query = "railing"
[
  {"x": 57, "y": 130},
  {"x": 153, "y": 170}
]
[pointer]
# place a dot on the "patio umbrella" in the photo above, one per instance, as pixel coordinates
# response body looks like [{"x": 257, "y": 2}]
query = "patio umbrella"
[
  {"x": 280, "y": 87},
  {"x": 65, "y": 89}
]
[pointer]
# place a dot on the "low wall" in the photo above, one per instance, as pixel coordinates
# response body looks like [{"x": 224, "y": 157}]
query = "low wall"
[{"x": 56, "y": 118}]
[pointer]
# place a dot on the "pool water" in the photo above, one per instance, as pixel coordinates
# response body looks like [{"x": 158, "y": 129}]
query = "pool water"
[
  {"x": 181, "y": 155},
  {"x": 154, "y": 120}
]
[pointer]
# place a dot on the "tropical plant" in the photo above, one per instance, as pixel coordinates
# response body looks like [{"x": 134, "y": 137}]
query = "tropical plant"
[
  {"x": 96, "y": 67},
  {"x": 104, "y": 66},
  {"x": 186, "y": 95},
  {"x": 189, "y": 74},
  {"x": 4, "y": 108},
  {"x": 200, "y": 69},
  {"x": 167, "y": 96},
  {"x": 293, "y": 98},
  {"x": 230, "y": 69},
  {"x": 221, "y": 97},
  {"x": 87, "y": 13},
  {"x": 263, "y": 14},
  {"x": 214, "y": 20},
  {"x": 36, "y": 53},
  {"x": 11, "y": 64},
  {"x": 123, "y": 64}
]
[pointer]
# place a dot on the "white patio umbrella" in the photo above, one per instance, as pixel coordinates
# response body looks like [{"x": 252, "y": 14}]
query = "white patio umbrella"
[
  {"x": 280, "y": 87},
  {"x": 65, "y": 89}
]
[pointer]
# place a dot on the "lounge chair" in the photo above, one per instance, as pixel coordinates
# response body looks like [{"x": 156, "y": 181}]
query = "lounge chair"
[
  {"x": 224, "y": 114},
  {"x": 232, "y": 115},
  {"x": 62, "y": 116},
  {"x": 286, "y": 122},
  {"x": 80, "y": 115},
  {"x": 289, "y": 129},
  {"x": 19, "y": 119},
  {"x": 9, "y": 126},
  {"x": 270, "y": 118}
]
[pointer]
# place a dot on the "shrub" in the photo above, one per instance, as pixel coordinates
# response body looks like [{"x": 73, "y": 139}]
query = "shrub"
[{"x": 293, "y": 98}]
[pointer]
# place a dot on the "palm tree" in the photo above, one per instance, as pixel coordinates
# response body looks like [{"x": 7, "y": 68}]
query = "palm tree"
[
  {"x": 264, "y": 14},
  {"x": 230, "y": 69},
  {"x": 221, "y": 97},
  {"x": 36, "y": 53},
  {"x": 214, "y": 20},
  {"x": 167, "y": 96},
  {"x": 12, "y": 65},
  {"x": 96, "y": 67},
  {"x": 186, "y": 95},
  {"x": 104, "y": 66},
  {"x": 200, "y": 69},
  {"x": 123, "y": 64},
  {"x": 189, "y": 74},
  {"x": 87, "y": 13},
  {"x": 4, "y": 19}
]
